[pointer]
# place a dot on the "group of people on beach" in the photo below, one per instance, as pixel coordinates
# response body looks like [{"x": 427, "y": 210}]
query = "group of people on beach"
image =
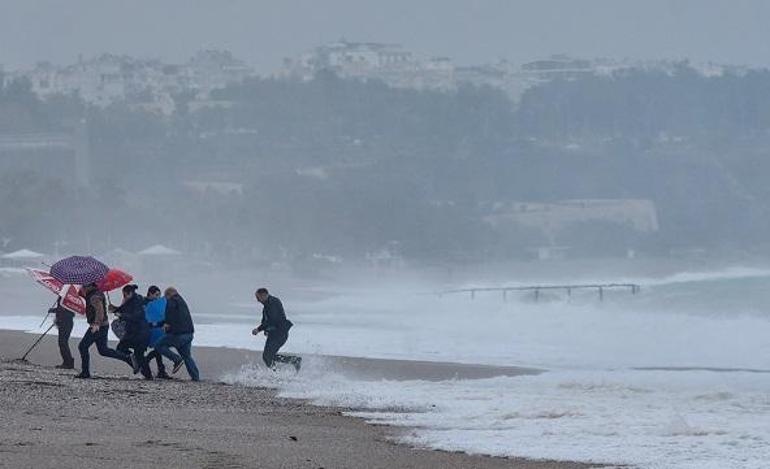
[{"x": 160, "y": 323}]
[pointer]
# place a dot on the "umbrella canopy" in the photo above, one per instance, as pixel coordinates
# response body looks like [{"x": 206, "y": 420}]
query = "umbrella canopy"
[
  {"x": 70, "y": 299},
  {"x": 79, "y": 270},
  {"x": 114, "y": 279}
]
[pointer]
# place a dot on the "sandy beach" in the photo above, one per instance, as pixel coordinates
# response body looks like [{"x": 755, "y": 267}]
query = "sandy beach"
[{"x": 51, "y": 420}]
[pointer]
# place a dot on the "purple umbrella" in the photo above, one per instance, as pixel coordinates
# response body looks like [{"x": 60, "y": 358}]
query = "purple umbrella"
[{"x": 79, "y": 270}]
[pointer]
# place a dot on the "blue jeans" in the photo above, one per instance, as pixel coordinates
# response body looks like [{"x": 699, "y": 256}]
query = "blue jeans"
[
  {"x": 100, "y": 339},
  {"x": 183, "y": 344}
]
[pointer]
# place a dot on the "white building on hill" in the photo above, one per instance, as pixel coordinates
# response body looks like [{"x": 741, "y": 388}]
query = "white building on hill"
[
  {"x": 146, "y": 84},
  {"x": 390, "y": 63}
]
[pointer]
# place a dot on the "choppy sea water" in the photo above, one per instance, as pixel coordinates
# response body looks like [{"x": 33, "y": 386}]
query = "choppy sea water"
[{"x": 677, "y": 376}]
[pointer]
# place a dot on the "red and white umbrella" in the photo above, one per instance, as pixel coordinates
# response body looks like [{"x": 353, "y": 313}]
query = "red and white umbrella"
[{"x": 70, "y": 299}]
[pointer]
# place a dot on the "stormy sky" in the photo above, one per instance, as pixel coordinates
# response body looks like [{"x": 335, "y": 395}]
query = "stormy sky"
[{"x": 263, "y": 32}]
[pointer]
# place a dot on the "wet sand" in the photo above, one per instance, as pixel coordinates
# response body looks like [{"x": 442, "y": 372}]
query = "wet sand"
[{"x": 50, "y": 420}]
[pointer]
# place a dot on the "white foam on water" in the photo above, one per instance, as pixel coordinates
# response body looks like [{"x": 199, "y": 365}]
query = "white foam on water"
[
  {"x": 592, "y": 405},
  {"x": 654, "y": 419}
]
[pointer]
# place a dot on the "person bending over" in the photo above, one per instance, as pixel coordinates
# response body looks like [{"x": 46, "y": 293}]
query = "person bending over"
[
  {"x": 137, "y": 333},
  {"x": 179, "y": 334}
]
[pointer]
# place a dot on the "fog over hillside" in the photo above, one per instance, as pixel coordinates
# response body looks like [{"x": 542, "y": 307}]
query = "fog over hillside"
[
  {"x": 454, "y": 133},
  {"x": 264, "y": 32},
  {"x": 524, "y": 228},
  {"x": 282, "y": 169}
]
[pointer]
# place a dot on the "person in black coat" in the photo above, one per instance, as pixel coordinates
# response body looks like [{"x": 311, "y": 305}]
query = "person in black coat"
[
  {"x": 64, "y": 320},
  {"x": 179, "y": 334},
  {"x": 137, "y": 333},
  {"x": 276, "y": 327}
]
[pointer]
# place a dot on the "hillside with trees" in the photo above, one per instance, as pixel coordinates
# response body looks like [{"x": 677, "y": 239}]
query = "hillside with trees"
[{"x": 345, "y": 167}]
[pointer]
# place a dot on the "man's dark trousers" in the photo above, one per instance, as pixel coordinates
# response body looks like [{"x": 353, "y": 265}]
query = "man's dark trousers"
[
  {"x": 64, "y": 325},
  {"x": 138, "y": 342},
  {"x": 275, "y": 340},
  {"x": 100, "y": 339}
]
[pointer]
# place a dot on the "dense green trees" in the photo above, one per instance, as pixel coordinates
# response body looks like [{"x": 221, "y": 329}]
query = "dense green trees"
[
  {"x": 347, "y": 167},
  {"x": 650, "y": 104}
]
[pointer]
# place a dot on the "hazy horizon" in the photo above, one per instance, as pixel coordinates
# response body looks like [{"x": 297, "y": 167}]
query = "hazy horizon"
[
  {"x": 605, "y": 223},
  {"x": 262, "y": 33}
]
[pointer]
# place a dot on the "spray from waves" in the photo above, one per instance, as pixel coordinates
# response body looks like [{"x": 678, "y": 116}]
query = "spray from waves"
[
  {"x": 679, "y": 325},
  {"x": 727, "y": 273},
  {"x": 692, "y": 324},
  {"x": 581, "y": 410},
  {"x": 647, "y": 419},
  {"x": 730, "y": 273},
  {"x": 324, "y": 382}
]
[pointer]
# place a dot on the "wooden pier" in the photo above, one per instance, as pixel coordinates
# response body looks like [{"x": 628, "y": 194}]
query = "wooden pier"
[{"x": 536, "y": 289}]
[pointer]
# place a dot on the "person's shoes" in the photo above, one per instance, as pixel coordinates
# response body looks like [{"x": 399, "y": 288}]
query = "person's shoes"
[
  {"x": 163, "y": 375},
  {"x": 66, "y": 366},
  {"x": 297, "y": 362},
  {"x": 82, "y": 375},
  {"x": 177, "y": 366},
  {"x": 147, "y": 377},
  {"x": 135, "y": 364}
]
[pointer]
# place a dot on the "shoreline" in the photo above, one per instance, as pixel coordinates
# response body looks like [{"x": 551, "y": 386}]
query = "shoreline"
[{"x": 217, "y": 423}]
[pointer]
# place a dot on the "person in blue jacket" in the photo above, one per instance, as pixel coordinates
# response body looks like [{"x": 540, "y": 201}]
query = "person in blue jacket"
[{"x": 155, "y": 313}]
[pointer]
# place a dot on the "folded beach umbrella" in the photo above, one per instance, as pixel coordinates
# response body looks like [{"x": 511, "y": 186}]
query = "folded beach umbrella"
[
  {"x": 70, "y": 299},
  {"x": 114, "y": 279},
  {"x": 79, "y": 270}
]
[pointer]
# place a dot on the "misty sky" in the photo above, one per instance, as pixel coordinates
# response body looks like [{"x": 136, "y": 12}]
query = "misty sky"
[{"x": 263, "y": 32}]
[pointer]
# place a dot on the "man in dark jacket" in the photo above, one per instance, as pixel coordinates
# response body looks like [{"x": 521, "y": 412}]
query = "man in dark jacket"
[
  {"x": 64, "y": 323},
  {"x": 99, "y": 326},
  {"x": 179, "y": 334},
  {"x": 137, "y": 333},
  {"x": 276, "y": 327}
]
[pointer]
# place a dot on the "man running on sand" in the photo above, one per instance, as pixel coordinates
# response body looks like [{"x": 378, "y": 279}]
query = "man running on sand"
[
  {"x": 99, "y": 326},
  {"x": 276, "y": 327}
]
